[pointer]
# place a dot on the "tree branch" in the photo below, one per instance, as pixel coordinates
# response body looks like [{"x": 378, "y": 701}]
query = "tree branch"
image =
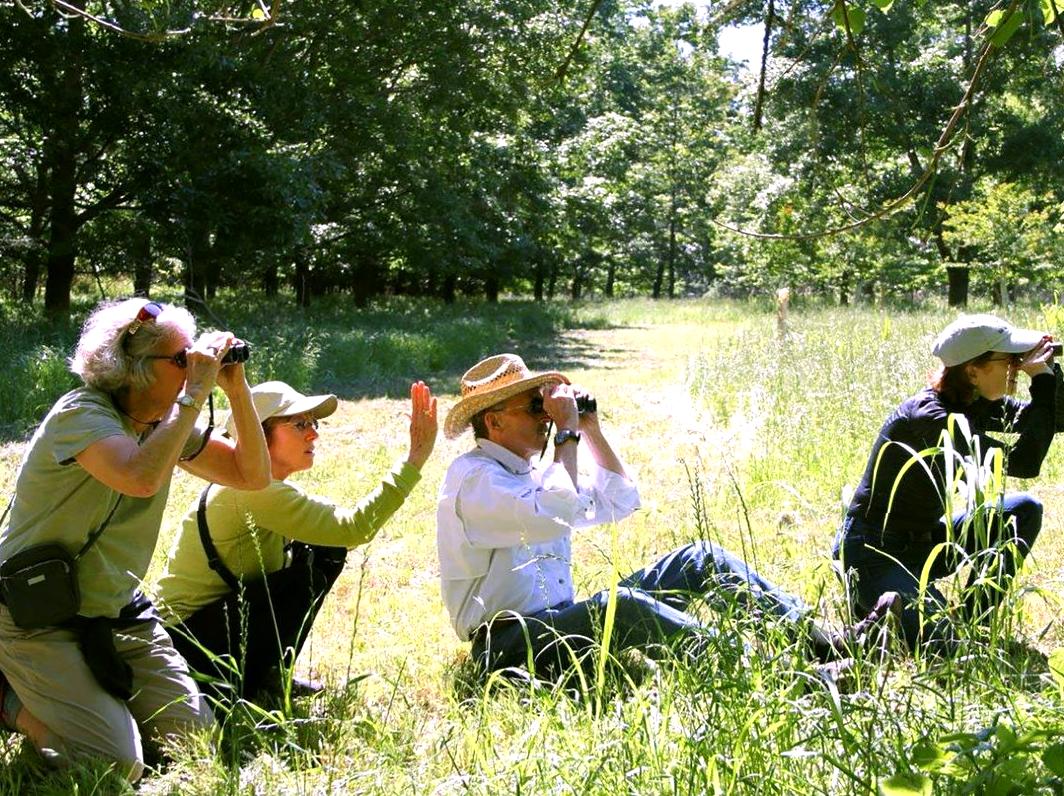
[{"x": 941, "y": 145}]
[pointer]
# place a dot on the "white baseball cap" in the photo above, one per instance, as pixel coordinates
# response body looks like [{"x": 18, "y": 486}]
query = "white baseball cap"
[
  {"x": 972, "y": 335},
  {"x": 277, "y": 399}
]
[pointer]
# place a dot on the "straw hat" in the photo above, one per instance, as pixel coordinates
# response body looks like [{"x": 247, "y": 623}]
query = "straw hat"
[
  {"x": 492, "y": 381},
  {"x": 277, "y": 399}
]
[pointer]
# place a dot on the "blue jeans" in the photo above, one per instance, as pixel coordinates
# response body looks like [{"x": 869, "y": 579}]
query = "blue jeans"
[
  {"x": 886, "y": 562},
  {"x": 651, "y": 610}
]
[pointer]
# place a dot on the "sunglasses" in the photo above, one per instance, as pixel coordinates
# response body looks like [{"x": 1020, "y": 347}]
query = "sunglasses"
[
  {"x": 180, "y": 359},
  {"x": 302, "y": 425},
  {"x": 149, "y": 312},
  {"x": 533, "y": 407}
]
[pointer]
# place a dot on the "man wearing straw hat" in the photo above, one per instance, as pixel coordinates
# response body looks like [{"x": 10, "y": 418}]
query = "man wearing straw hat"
[{"x": 503, "y": 534}]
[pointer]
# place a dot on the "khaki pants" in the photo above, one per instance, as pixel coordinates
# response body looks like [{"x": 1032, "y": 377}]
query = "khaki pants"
[{"x": 47, "y": 671}]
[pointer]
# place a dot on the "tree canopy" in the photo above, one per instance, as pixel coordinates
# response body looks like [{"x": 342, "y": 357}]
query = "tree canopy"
[{"x": 530, "y": 146}]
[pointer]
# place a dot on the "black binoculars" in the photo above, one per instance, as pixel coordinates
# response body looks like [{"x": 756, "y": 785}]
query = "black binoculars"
[
  {"x": 584, "y": 404},
  {"x": 238, "y": 352}
]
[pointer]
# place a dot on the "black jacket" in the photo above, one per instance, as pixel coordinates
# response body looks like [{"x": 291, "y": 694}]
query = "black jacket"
[{"x": 917, "y": 425}]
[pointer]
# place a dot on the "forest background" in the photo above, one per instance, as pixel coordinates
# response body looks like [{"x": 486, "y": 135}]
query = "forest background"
[{"x": 531, "y": 147}]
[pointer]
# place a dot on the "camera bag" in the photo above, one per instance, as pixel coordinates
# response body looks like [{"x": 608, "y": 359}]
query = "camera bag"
[{"x": 39, "y": 585}]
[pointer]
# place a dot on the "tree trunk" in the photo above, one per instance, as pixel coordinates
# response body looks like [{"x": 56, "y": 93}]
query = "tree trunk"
[
  {"x": 197, "y": 263},
  {"x": 271, "y": 281},
  {"x": 538, "y": 282},
  {"x": 671, "y": 260},
  {"x": 552, "y": 281},
  {"x": 302, "y": 282},
  {"x": 449, "y": 288},
  {"x": 62, "y": 142},
  {"x": 959, "y": 277},
  {"x": 611, "y": 273},
  {"x": 35, "y": 256},
  {"x": 140, "y": 253},
  {"x": 491, "y": 288}
]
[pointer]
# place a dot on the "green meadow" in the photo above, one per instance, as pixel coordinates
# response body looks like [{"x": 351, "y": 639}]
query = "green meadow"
[{"x": 736, "y": 431}]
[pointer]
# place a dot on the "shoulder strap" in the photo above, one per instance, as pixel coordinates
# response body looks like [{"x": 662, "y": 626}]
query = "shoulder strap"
[
  {"x": 96, "y": 534},
  {"x": 92, "y": 536},
  {"x": 214, "y": 561}
]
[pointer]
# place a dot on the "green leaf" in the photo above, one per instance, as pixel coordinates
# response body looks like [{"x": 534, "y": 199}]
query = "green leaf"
[
  {"x": 1006, "y": 737},
  {"x": 856, "y": 16},
  {"x": 1056, "y": 667},
  {"x": 928, "y": 755},
  {"x": 1049, "y": 13},
  {"x": 884, "y": 5},
  {"x": 1053, "y": 757},
  {"x": 905, "y": 785},
  {"x": 1006, "y": 29},
  {"x": 993, "y": 19}
]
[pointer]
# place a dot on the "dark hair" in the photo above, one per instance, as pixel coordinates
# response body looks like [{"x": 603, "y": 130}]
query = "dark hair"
[{"x": 951, "y": 382}]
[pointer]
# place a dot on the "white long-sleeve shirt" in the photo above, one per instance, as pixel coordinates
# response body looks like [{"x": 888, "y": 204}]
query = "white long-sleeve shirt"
[{"x": 503, "y": 532}]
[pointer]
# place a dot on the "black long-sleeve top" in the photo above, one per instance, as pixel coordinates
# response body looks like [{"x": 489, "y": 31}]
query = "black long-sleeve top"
[{"x": 918, "y": 423}]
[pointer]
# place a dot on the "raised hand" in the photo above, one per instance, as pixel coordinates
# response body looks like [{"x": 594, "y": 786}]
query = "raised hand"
[
  {"x": 559, "y": 401},
  {"x": 423, "y": 424}
]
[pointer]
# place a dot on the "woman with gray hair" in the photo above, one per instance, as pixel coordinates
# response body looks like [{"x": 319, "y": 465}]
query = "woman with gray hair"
[{"x": 88, "y": 664}]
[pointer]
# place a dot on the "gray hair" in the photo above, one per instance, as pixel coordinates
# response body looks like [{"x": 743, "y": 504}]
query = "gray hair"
[{"x": 109, "y": 358}]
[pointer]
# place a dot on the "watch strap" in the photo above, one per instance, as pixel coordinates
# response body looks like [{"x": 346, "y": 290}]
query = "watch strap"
[{"x": 565, "y": 435}]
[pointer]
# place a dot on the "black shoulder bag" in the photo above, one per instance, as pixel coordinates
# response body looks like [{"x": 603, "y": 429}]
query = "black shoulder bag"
[
  {"x": 214, "y": 561},
  {"x": 39, "y": 585}
]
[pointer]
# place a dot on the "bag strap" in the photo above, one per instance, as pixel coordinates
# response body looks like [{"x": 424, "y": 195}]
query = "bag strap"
[
  {"x": 3, "y": 516},
  {"x": 96, "y": 534},
  {"x": 214, "y": 561},
  {"x": 92, "y": 536}
]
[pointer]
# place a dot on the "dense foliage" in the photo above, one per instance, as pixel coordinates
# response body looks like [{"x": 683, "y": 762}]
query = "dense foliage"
[{"x": 529, "y": 147}]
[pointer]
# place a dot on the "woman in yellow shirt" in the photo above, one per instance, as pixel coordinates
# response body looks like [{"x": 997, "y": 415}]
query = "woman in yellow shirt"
[{"x": 249, "y": 570}]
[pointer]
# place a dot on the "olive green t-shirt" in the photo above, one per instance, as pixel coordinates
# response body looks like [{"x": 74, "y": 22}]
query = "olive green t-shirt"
[
  {"x": 250, "y": 530},
  {"x": 56, "y": 500}
]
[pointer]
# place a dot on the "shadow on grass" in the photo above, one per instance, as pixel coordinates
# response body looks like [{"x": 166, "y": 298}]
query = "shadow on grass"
[{"x": 374, "y": 352}]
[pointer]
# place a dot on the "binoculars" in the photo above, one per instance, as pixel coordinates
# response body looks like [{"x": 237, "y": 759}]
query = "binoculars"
[{"x": 584, "y": 404}]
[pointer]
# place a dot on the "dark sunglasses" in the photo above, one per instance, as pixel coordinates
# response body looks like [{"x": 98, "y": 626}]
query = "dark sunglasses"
[
  {"x": 180, "y": 358},
  {"x": 149, "y": 312},
  {"x": 533, "y": 407}
]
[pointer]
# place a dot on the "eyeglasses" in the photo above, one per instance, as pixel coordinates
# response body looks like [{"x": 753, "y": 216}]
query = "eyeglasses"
[
  {"x": 302, "y": 425},
  {"x": 533, "y": 407},
  {"x": 149, "y": 312},
  {"x": 180, "y": 359}
]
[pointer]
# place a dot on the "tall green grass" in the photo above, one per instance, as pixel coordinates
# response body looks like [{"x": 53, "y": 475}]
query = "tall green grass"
[{"x": 787, "y": 423}]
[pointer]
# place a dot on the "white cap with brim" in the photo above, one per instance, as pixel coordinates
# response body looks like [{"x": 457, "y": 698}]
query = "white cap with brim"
[
  {"x": 972, "y": 335},
  {"x": 277, "y": 399}
]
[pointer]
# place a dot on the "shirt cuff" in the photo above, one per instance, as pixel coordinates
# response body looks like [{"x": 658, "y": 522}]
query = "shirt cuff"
[
  {"x": 1043, "y": 388},
  {"x": 406, "y": 476}
]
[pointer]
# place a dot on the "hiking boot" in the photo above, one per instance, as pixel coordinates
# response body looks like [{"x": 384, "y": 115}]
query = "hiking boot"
[{"x": 830, "y": 644}]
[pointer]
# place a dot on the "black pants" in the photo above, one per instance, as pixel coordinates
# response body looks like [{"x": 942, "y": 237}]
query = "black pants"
[{"x": 240, "y": 640}]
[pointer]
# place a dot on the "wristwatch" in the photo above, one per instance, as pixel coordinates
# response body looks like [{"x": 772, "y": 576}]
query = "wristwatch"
[
  {"x": 564, "y": 436},
  {"x": 189, "y": 401}
]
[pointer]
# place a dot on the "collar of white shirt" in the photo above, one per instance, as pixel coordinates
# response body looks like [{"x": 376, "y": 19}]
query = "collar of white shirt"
[{"x": 507, "y": 458}]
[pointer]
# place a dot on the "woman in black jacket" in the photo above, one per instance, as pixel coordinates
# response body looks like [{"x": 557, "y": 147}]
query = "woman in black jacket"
[{"x": 897, "y": 519}]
